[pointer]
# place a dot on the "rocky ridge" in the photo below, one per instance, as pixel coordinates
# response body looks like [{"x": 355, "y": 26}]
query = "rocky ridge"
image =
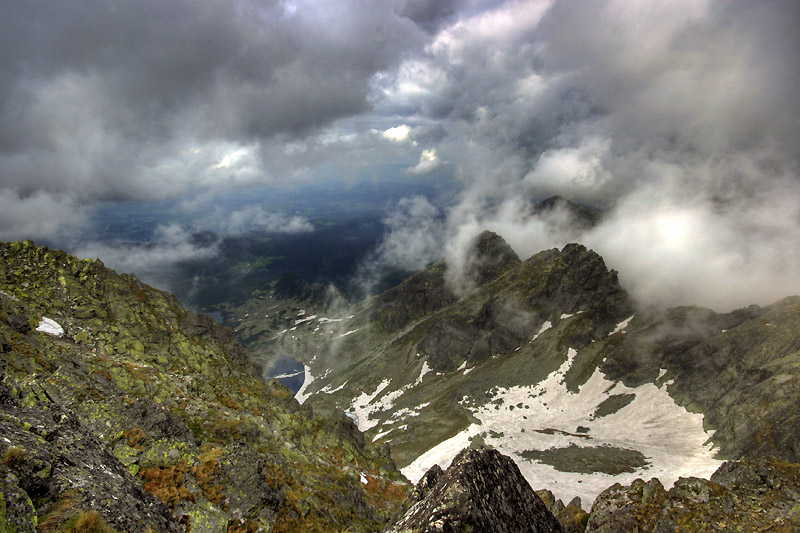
[
  {"x": 549, "y": 361},
  {"x": 120, "y": 408}
]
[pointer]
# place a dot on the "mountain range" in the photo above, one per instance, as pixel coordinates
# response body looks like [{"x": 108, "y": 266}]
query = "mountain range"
[
  {"x": 122, "y": 411},
  {"x": 549, "y": 361}
]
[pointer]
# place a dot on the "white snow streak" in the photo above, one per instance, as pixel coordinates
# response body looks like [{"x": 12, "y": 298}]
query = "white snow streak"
[
  {"x": 328, "y": 390},
  {"x": 547, "y": 325},
  {"x": 284, "y": 376},
  {"x": 425, "y": 370},
  {"x": 51, "y": 327},
  {"x": 301, "y": 395},
  {"x": 301, "y": 320},
  {"x": 622, "y": 325}
]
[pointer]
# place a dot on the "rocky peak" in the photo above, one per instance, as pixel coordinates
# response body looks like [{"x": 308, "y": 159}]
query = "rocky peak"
[
  {"x": 482, "y": 490},
  {"x": 493, "y": 256},
  {"x": 422, "y": 293}
]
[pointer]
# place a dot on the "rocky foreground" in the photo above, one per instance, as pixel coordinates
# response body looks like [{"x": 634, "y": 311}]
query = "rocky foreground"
[{"x": 119, "y": 406}]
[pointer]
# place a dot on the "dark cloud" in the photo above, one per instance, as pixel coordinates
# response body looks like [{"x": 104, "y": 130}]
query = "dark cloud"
[{"x": 143, "y": 98}]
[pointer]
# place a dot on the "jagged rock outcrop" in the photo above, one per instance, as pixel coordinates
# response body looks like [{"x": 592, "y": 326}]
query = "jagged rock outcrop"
[
  {"x": 422, "y": 293},
  {"x": 118, "y": 405},
  {"x": 572, "y": 517},
  {"x": 482, "y": 490},
  {"x": 549, "y": 361},
  {"x": 492, "y": 257},
  {"x": 55, "y": 461},
  {"x": 751, "y": 495}
]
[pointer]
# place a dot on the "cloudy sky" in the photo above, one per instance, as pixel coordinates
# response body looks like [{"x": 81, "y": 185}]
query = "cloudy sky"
[{"x": 678, "y": 117}]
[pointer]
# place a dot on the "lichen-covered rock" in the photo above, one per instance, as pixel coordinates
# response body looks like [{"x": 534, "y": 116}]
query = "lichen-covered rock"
[
  {"x": 48, "y": 456},
  {"x": 481, "y": 491},
  {"x": 750, "y": 495},
  {"x": 159, "y": 410},
  {"x": 572, "y": 517}
]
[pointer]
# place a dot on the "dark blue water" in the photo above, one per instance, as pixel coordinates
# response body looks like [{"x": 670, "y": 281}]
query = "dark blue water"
[{"x": 291, "y": 368}]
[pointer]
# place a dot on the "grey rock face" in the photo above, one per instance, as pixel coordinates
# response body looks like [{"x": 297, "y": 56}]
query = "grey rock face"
[
  {"x": 55, "y": 453},
  {"x": 493, "y": 257},
  {"x": 481, "y": 491}
]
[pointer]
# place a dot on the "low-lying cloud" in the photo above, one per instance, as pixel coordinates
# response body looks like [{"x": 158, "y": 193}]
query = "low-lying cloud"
[
  {"x": 154, "y": 261},
  {"x": 678, "y": 119},
  {"x": 172, "y": 244}
]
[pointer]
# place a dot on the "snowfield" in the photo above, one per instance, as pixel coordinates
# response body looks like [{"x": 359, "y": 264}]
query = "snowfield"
[{"x": 546, "y": 416}]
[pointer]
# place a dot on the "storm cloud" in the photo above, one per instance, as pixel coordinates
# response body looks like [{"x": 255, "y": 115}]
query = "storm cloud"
[
  {"x": 149, "y": 99},
  {"x": 679, "y": 119}
]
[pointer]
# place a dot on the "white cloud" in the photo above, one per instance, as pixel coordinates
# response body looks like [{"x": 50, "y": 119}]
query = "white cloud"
[
  {"x": 171, "y": 244},
  {"x": 679, "y": 118},
  {"x": 428, "y": 162},
  {"x": 397, "y": 134},
  {"x": 254, "y": 218}
]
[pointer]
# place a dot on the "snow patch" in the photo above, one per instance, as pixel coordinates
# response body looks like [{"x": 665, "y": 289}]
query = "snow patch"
[
  {"x": 382, "y": 434},
  {"x": 302, "y": 395},
  {"x": 622, "y": 325},
  {"x": 362, "y": 407},
  {"x": 547, "y": 325},
  {"x": 328, "y": 390},
  {"x": 51, "y": 327},
  {"x": 301, "y": 320},
  {"x": 346, "y": 334},
  {"x": 284, "y": 376},
  {"x": 425, "y": 370}
]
